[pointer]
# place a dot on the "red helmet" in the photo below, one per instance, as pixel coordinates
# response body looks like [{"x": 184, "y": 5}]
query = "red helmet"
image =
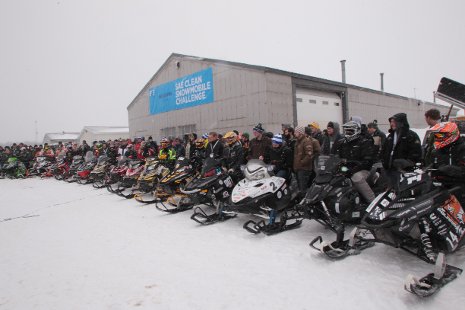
[{"x": 445, "y": 134}]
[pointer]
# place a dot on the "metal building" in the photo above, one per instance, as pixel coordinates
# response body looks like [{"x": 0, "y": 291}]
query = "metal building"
[
  {"x": 192, "y": 94},
  {"x": 103, "y": 133}
]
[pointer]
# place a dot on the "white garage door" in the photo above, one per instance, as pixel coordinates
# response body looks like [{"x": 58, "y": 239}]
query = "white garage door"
[{"x": 318, "y": 106}]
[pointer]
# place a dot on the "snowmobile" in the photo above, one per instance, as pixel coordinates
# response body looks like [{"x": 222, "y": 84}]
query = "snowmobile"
[
  {"x": 267, "y": 196},
  {"x": 212, "y": 187},
  {"x": 61, "y": 168},
  {"x": 41, "y": 165},
  {"x": 83, "y": 172},
  {"x": 169, "y": 195},
  {"x": 332, "y": 200},
  {"x": 116, "y": 174},
  {"x": 71, "y": 176},
  {"x": 418, "y": 215},
  {"x": 14, "y": 168},
  {"x": 97, "y": 175},
  {"x": 133, "y": 172},
  {"x": 154, "y": 170}
]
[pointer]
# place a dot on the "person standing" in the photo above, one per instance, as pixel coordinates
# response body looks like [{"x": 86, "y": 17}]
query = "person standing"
[
  {"x": 259, "y": 145},
  {"x": 303, "y": 159},
  {"x": 215, "y": 148},
  {"x": 402, "y": 147},
  {"x": 331, "y": 139},
  {"x": 378, "y": 136},
  {"x": 432, "y": 118}
]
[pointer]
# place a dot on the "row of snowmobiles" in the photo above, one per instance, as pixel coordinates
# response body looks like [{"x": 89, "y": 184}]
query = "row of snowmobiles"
[
  {"x": 412, "y": 211},
  {"x": 415, "y": 212}
]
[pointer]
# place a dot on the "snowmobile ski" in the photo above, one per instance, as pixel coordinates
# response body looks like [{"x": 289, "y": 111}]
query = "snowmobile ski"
[
  {"x": 433, "y": 282},
  {"x": 341, "y": 249},
  {"x": 175, "y": 204},
  {"x": 203, "y": 218},
  {"x": 274, "y": 227}
]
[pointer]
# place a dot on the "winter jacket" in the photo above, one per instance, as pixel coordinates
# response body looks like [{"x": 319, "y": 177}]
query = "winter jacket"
[
  {"x": 303, "y": 154},
  {"x": 234, "y": 159},
  {"x": 259, "y": 148},
  {"x": 379, "y": 138},
  {"x": 281, "y": 157},
  {"x": 215, "y": 150},
  {"x": 408, "y": 144},
  {"x": 330, "y": 143},
  {"x": 359, "y": 153}
]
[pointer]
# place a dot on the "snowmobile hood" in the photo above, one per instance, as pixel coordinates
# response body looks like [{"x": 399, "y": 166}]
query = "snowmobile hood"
[{"x": 255, "y": 188}]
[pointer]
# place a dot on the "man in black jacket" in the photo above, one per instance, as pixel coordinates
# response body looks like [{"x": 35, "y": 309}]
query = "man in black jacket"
[
  {"x": 402, "y": 147},
  {"x": 358, "y": 150},
  {"x": 215, "y": 148}
]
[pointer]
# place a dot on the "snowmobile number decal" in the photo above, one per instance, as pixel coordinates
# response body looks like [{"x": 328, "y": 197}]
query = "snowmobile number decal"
[{"x": 228, "y": 182}]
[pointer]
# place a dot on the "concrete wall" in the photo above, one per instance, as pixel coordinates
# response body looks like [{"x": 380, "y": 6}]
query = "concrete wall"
[
  {"x": 242, "y": 98},
  {"x": 373, "y": 105}
]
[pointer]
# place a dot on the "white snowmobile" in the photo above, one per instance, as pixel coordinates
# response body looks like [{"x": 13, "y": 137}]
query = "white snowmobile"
[{"x": 267, "y": 196}]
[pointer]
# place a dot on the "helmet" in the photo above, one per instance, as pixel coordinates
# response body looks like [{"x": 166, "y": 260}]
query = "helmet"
[
  {"x": 445, "y": 134},
  {"x": 200, "y": 143},
  {"x": 164, "y": 143},
  {"x": 351, "y": 130},
  {"x": 230, "y": 137}
]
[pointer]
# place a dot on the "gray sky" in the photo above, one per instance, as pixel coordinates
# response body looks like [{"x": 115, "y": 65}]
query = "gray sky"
[{"x": 67, "y": 64}]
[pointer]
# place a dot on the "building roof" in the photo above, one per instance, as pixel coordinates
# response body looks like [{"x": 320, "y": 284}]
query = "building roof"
[
  {"x": 62, "y": 136},
  {"x": 265, "y": 69},
  {"x": 105, "y": 129}
]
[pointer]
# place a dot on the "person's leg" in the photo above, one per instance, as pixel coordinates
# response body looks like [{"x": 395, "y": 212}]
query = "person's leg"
[{"x": 360, "y": 183}]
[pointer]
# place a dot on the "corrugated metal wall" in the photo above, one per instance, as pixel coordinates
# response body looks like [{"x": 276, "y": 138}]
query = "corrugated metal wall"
[
  {"x": 242, "y": 98},
  {"x": 371, "y": 106}
]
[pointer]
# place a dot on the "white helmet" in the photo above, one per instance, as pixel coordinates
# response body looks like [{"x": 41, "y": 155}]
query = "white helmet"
[{"x": 351, "y": 130}]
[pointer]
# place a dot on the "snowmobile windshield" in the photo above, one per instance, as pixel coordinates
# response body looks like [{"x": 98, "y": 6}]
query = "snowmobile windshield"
[
  {"x": 89, "y": 156},
  {"x": 256, "y": 170},
  {"x": 181, "y": 162},
  {"x": 77, "y": 158},
  {"x": 327, "y": 164},
  {"x": 40, "y": 159},
  {"x": 12, "y": 160},
  {"x": 122, "y": 161},
  {"x": 103, "y": 160},
  {"x": 210, "y": 167}
]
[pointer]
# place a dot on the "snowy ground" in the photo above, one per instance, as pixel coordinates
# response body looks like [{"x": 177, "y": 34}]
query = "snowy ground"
[{"x": 70, "y": 246}]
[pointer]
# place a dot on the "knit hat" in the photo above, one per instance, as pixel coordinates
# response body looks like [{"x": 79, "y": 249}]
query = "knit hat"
[
  {"x": 259, "y": 128},
  {"x": 299, "y": 129},
  {"x": 315, "y": 124},
  {"x": 277, "y": 139},
  {"x": 246, "y": 134},
  {"x": 205, "y": 135}
]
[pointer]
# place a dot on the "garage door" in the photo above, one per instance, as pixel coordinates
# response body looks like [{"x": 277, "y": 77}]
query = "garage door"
[{"x": 317, "y": 106}]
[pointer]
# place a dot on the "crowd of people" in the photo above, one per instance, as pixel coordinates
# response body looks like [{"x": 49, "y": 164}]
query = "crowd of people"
[{"x": 291, "y": 152}]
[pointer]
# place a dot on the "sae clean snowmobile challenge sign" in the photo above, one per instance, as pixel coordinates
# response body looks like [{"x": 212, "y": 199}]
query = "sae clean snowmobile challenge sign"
[{"x": 188, "y": 91}]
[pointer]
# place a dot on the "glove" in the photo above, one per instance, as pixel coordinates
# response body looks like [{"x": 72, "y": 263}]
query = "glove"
[
  {"x": 401, "y": 163},
  {"x": 451, "y": 170}
]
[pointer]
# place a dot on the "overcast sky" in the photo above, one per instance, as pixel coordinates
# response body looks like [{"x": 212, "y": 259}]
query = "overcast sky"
[{"x": 67, "y": 64}]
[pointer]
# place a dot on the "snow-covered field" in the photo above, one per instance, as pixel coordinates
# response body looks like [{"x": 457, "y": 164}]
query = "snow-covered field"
[{"x": 70, "y": 246}]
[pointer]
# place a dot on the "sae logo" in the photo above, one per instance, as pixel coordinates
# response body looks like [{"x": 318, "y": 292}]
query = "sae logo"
[{"x": 185, "y": 92}]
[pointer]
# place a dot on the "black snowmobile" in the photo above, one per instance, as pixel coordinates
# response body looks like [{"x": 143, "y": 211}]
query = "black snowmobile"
[
  {"x": 267, "y": 196},
  {"x": 169, "y": 196},
  {"x": 332, "y": 200},
  {"x": 154, "y": 170},
  {"x": 100, "y": 171},
  {"x": 116, "y": 174},
  {"x": 417, "y": 215},
  {"x": 71, "y": 175},
  {"x": 212, "y": 187}
]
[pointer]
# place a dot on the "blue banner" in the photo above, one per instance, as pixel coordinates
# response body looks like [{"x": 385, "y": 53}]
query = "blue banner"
[{"x": 185, "y": 92}]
